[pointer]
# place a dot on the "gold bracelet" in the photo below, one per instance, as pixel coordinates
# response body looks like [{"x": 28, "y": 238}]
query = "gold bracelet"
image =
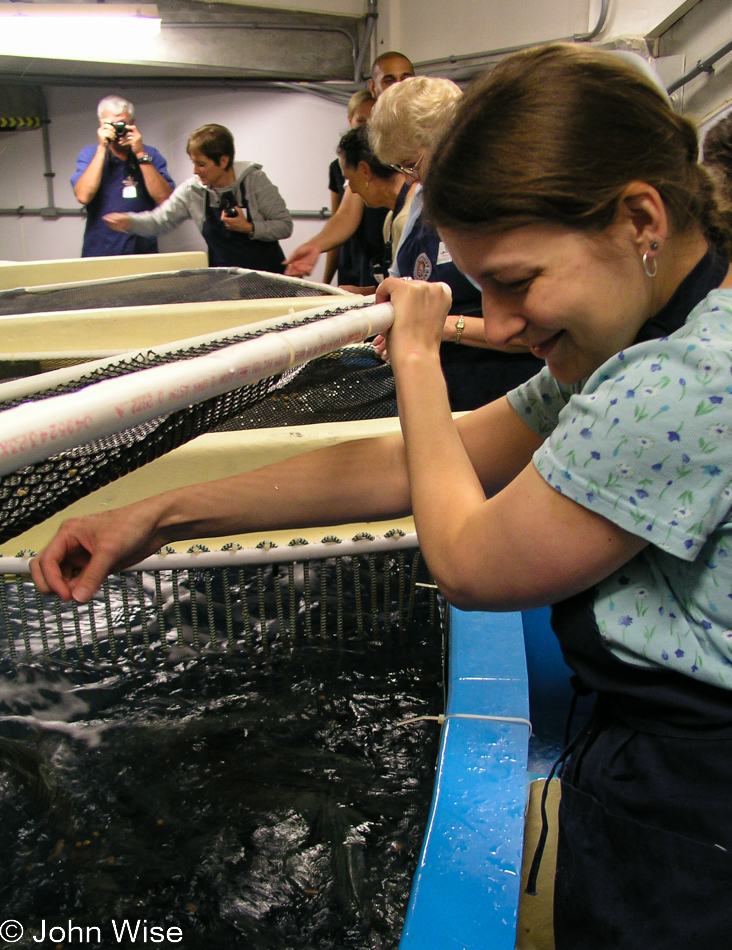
[{"x": 459, "y": 327}]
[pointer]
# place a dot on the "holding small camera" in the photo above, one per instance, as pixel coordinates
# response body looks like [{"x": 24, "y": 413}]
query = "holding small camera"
[
  {"x": 120, "y": 129},
  {"x": 227, "y": 200}
]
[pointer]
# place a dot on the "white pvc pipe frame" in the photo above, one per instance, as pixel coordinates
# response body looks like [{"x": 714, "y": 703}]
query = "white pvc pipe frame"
[
  {"x": 33, "y": 432},
  {"x": 267, "y": 553}
]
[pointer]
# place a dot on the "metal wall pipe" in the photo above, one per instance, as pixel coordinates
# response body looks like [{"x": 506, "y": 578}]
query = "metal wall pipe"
[
  {"x": 476, "y": 59},
  {"x": 52, "y": 212},
  {"x": 703, "y": 66},
  {"x": 372, "y": 17}
]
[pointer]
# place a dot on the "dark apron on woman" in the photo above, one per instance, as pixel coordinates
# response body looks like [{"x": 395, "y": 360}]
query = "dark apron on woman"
[
  {"x": 474, "y": 375},
  {"x": 644, "y": 859},
  {"x": 227, "y": 248},
  {"x": 367, "y": 241}
]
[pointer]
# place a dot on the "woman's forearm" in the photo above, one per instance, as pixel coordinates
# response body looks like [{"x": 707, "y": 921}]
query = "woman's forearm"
[
  {"x": 353, "y": 481},
  {"x": 328, "y": 486}
]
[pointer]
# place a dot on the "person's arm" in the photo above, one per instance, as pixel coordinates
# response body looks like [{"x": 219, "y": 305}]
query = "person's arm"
[
  {"x": 157, "y": 186},
  {"x": 88, "y": 175},
  {"x": 160, "y": 220},
  {"x": 338, "y": 229},
  {"x": 331, "y": 261},
  {"x": 118, "y": 221},
  {"x": 525, "y": 546},
  {"x": 473, "y": 334}
]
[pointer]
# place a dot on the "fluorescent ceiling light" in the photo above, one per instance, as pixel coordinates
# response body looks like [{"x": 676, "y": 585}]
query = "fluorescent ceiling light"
[{"x": 89, "y": 31}]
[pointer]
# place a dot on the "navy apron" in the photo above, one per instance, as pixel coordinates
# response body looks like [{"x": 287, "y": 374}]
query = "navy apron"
[
  {"x": 474, "y": 375},
  {"x": 228, "y": 248},
  {"x": 367, "y": 241},
  {"x": 644, "y": 858}
]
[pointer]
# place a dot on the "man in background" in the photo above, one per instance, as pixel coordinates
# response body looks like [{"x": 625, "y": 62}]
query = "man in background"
[
  {"x": 387, "y": 69},
  {"x": 118, "y": 174}
]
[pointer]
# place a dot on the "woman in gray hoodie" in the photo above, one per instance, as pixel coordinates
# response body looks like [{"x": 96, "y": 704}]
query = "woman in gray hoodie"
[{"x": 238, "y": 210}]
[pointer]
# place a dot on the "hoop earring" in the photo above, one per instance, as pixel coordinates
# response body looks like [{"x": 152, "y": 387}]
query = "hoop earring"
[{"x": 650, "y": 271}]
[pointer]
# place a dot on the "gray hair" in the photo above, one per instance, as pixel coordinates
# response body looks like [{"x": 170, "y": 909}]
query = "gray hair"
[
  {"x": 116, "y": 105},
  {"x": 410, "y": 116}
]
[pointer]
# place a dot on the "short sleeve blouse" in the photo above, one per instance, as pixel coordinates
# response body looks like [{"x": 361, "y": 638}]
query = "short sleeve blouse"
[{"x": 646, "y": 442}]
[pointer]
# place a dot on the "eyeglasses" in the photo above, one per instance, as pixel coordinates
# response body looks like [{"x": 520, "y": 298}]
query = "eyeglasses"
[{"x": 410, "y": 168}]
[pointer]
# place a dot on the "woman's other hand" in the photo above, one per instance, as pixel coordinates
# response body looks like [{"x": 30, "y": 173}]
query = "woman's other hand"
[{"x": 420, "y": 310}]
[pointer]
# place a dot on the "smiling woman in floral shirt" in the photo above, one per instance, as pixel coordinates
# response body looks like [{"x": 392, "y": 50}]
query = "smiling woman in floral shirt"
[
  {"x": 569, "y": 190},
  {"x": 571, "y": 193}
]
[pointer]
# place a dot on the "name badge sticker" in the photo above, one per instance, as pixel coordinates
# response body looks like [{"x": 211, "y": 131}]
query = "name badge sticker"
[
  {"x": 443, "y": 255},
  {"x": 129, "y": 187}
]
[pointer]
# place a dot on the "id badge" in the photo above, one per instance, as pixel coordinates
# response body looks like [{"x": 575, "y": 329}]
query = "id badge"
[{"x": 129, "y": 187}]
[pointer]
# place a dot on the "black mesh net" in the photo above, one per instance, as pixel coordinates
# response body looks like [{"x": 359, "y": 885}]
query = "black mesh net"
[
  {"x": 186, "y": 286},
  {"x": 352, "y": 383}
]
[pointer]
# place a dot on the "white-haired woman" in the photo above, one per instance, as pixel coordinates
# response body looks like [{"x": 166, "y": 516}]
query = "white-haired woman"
[{"x": 407, "y": 120}]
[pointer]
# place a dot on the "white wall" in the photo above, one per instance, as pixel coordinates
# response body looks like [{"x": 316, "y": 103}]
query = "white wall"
[
  {"x": 644, "y": 17},
  {"x": 291, "y": 134},
  {"x": 425, "y": 30}
]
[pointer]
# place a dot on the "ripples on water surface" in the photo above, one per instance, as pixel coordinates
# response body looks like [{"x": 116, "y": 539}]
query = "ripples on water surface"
[{"x": 258, "y": 797}]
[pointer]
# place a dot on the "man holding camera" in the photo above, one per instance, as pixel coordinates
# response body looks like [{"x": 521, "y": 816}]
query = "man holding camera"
[{"x": 119, "y": 174}]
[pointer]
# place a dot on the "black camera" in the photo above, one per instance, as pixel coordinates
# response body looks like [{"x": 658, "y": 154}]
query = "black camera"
[
  {"x": 120, "y": 129},
  {"x": 228, "y": 204}
]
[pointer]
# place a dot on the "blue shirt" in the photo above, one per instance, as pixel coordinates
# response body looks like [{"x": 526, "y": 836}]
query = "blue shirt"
[
  {"x": 646, "y": 442},
  {"x": 115, "y": 194}
]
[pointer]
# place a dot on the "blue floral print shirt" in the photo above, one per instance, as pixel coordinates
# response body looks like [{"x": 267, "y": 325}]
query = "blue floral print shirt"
[{"x": 646, "y": 442}]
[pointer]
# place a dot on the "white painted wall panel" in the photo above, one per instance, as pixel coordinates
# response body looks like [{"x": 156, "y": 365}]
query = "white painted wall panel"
[
  {"x": 644, "y": 17},
  {"x": 428, "y": 30}
]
